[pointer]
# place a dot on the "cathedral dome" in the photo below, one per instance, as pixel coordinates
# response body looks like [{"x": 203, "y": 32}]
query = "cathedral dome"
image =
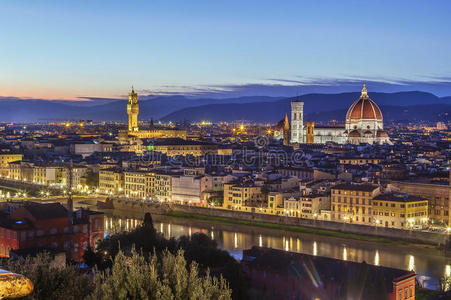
[{"x": 364, "y": 108}]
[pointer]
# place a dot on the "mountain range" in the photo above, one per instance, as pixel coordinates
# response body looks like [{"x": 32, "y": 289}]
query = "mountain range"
[{"x": 401, "y": 106}]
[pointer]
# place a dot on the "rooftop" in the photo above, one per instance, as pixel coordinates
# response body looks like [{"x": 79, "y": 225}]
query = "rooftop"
[
  {"x": 398, "y": 197},
  {"x": 355, "y": 187}
]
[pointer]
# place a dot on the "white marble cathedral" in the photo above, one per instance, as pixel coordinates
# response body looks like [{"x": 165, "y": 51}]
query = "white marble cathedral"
[{"x": 364, "y": 124}]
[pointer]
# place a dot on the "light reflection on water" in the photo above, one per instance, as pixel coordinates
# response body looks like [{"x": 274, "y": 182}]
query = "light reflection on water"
[{"x": 428, "y": 267}]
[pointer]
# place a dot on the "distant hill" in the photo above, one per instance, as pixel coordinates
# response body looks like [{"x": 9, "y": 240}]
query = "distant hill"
[
  {"x": 31, "y": 110},
  {"x": 319, "y": 107},
  {"x": 430, "y": 112}
]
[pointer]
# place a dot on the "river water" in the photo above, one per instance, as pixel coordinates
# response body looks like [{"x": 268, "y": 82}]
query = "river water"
[{"x": 429, "y": 263}]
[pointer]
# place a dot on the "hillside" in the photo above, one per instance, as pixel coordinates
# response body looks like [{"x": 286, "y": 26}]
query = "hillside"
[{"x": 322, "y": 107}]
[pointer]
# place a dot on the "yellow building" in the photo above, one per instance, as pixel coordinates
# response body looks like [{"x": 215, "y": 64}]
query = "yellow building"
[
  {"x": 312, "y": 205},
  {"x": 401, "y": 211},
  {"x": 139, "y": 184},
  {"x": 276, "y": 202},
  {"x": 351, "y": 203},
  {"x": 7, "y": 158},
  {"x": 111, "y": 181},
  {"x": 438, "y": 196},
  {"x": 247, "y": 197}
]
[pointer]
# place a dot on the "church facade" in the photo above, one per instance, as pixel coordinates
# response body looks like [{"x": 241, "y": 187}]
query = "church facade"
[{"x": 363, "y": 124}]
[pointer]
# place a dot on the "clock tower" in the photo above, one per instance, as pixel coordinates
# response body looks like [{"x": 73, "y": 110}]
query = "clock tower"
[{"x": 132, "y": 111}]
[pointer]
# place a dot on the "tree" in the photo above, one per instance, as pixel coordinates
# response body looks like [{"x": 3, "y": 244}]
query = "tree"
[
  {"x": 52, "y": 281},
  {"x": 92, "y": 179},
  {"x": 157, "y": 278},
  {"x": 199, "y": 248}
]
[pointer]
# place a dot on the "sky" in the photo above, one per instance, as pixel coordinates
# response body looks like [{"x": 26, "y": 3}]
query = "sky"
[{"x": 74, "y": 49}]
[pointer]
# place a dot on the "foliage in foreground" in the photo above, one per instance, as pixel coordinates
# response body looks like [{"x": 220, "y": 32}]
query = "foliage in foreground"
[
  {"x": 199, "y": 248},
  {"x": 130, "y": 277},
  {"x": 51, "y": 281},
  {"x": 166, "y": 278}
]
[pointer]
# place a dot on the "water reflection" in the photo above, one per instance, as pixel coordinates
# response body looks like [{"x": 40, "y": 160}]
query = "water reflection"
[
  {"x": 235, "y": 239},
  {"x": 411, "y": 263}
]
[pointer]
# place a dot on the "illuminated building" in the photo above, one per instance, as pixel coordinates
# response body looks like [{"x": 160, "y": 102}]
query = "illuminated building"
[
  {"x": 163, "y": 186},
  {"x": 239, "y": 196},
  {"x": 133, "y": 129},
  {"x": 438, "y": 198},
  {"x": 351, "y": 203},
  {"x": 139, "y": 184},
  {"x": 7, "y": 158},
  {"x": 401, "y": 211},
  {"x": 132, "y": 111},
  {"x": 363, "y": 124},
  {"x": 111, "y": 181}
]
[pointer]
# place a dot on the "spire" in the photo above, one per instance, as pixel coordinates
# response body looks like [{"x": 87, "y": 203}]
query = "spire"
[
  {"x": 364, "y": 92},
  {"x": 286, "y": 123},
  {"x": 132, "y": 96}
]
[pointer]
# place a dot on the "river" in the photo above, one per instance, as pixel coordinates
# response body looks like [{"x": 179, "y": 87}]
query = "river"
[{"x": 429, "y": 263}]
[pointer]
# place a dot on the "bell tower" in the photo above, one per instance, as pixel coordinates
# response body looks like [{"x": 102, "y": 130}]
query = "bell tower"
[{"x": 132, "y": 111}]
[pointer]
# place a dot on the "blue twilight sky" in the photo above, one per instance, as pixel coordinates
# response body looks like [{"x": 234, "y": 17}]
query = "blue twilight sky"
[{"x": 68, "y": 49}]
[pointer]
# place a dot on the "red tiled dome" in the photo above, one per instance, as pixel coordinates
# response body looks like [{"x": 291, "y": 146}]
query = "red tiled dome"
[
  {"x": 364, "y": 108},
  {"x": 354, "y": 133}
]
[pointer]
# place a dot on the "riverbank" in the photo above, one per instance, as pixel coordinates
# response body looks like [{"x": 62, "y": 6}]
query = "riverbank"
[
  {"x": 291, "y": 228},
  {"x": 313, "y": 226}
]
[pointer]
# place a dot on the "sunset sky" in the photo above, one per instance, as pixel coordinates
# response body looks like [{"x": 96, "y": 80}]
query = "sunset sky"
[{"x": 71, "y": 49}]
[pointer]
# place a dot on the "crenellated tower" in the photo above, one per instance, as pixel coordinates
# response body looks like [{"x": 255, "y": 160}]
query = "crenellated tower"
[{"x": 132, "y": 111}]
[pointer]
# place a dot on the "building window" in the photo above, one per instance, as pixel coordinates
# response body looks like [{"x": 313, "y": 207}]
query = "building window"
[
  {"x": 53, "y": 231},
  {"x": 40, "y": 232},
  {"x": 85, "y": 228}
]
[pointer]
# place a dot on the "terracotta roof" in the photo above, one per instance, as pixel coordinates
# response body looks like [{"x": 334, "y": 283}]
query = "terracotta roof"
[
  {"x": 364, "y": 108},
  {"x": 44, "y": 211},
  {"x": 355, "y": 187},
  {"x": 354, "y": 133}
]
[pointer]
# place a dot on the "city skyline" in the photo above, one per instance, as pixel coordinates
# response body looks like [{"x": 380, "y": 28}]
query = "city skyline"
[{"x": 71, "y": 50}]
